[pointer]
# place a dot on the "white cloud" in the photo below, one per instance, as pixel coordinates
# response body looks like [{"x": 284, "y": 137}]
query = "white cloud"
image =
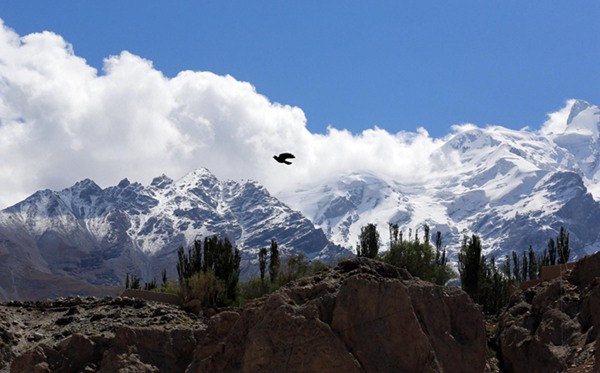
[
  {"x": 557, "y": 121},
  {"x": 61, "y": 121}
]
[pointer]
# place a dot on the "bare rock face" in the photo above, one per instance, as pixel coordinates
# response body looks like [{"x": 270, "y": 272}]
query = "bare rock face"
[
  {"x": 364, "y": 316},
  {"x": 553, "y": 327}
]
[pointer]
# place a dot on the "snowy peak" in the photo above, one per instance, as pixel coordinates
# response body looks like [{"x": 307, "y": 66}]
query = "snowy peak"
[
  {"x": 581, "y": 112},
  {"x": 161, "y": 182},
  {"x": 514, "y": 188}
]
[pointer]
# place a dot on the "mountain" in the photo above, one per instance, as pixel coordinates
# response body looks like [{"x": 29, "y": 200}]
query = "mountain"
[
  {"x": 93, "y": 236},
  {"x": 513, "y": 188}
]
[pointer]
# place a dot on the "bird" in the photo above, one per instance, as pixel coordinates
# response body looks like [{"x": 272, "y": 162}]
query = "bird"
[{"x": 283, "y": 158}]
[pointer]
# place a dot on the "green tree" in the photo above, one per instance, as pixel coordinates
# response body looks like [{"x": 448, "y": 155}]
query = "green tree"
[
  {"x": 150, "y": 285},
  {"x": 552, "y": 252},
  {"x": 469, "y": 266},
  {"x": 543, "y": 260},
  {"x": 506, "y": 269},
  {"x": 274, "y": 263},
  {"x": 533, "y": 264},
  {"x": 262, "y": 262},
  {"x": 516, "y": 267},
  {"x": 368, "y": 245},
  {"x": 221, "y": 262},
  {"x": 164, "y": 277},
  {"x": 525, "y": 266},
  {"x": 135, "y": 282},
  {"x": 418, "y": 259},
  {"x": 562, "y": 243}
]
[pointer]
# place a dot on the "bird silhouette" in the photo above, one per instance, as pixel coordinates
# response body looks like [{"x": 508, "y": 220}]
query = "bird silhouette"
[{"x": 283, "y": 158}]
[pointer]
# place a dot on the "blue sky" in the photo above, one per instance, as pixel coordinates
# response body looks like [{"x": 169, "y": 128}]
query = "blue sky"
[{"x": 395, "y": 64}]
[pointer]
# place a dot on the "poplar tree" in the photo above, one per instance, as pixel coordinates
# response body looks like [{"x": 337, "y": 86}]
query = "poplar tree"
[
  {"x": 470, "y": 266},
  {"x": 552, "y": 252},
  {"x": 562, "y": 243},
  {"x": 525, "y": 265},
  {"x": 274, "y": 263},
  {"x": 533, "y": 264},
  {"x": 262, "y": 262}
]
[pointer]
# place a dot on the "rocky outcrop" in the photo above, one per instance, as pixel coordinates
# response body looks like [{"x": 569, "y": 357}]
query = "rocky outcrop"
[
  {"x": 97, "y": 335},
  {"x": 362, "y": 316},
  {"x": 553, "y": 327}
]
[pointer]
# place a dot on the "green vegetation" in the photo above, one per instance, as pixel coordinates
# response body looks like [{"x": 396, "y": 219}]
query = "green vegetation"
[
  {"x": 294, "y": 267},
  {"x": 490, "y": 286},
  {"x": 417, "y": 257},
  {"x": 210, "y": 271},
  {"x": 368, "y": 242}
]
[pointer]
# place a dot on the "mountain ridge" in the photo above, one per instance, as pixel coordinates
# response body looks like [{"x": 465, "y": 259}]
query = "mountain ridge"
[
  {"x": 513, "y": 188},
  {"x": 98, "y": 235}
]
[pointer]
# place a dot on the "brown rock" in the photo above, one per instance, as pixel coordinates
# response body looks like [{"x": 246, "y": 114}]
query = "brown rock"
[
  {"x": 366, "y": 316},
  {"x": 553, "y": 327},
  {"x": 124, "y": 363},
  {"x": 363, "y": 316}
]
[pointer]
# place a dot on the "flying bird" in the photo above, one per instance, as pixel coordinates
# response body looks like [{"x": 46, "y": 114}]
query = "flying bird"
[{"x": 283, "y": 158}]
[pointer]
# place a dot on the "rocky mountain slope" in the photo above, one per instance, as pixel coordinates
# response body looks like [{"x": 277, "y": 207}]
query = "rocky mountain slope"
[
  {"x": 362, "y": 316},
  {"x": 86, "y": 236}
]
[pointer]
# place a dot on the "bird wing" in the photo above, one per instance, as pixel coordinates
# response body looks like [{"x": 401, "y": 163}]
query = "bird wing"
[{"x": 286, "y": 155}]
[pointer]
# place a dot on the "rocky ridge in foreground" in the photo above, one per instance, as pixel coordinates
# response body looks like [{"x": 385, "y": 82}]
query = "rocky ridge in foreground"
[
  {"x": 361, "y": 316},
  {"x": 553, "y": 327}
]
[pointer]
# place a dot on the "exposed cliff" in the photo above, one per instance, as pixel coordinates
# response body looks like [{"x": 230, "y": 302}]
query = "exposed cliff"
[{"x": 361, "y": 316}]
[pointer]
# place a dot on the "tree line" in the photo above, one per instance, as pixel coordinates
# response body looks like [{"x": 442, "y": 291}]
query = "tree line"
[
  {"x": 487, "y": 283},
  {"x": 417, "y": 255},
  {"x": 209, "y": 270},
  {"x": 490, "y": 285}
]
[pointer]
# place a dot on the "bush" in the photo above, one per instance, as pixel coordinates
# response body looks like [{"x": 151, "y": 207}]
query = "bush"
[
  {"x": 207, "y": 288},
  {"x": 256, "y": 288}
]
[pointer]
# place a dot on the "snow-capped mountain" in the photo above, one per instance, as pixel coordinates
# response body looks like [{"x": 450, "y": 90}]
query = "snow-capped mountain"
[
  {"x": 513, "y": 188},
  {"x": 98, "y": 235}
]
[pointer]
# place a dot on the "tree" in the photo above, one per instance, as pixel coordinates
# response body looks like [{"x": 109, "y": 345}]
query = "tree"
[
  {"x": 469, "y": 266},
  {"x": 533, "y": 264},
  {"x": 274, "y": 263},
  {"x": 220, "y": 269},
  {"x": 562, "y": 243},
  {"x": 525, "y": 263},
  {"x": 262, "y": 262},
  {"x": 127, "y": 281},
  {"x": 135, "y": 282},
  {"x": 506, "y": 269},
  {"x": 543, "y": 261},
  {"x": 552, "y": 252},
  {"x": 418, "y": 258},
  {"x": 393, "y": 233},
  {"x": 516, "y": 267},
  {"x": 164, "y": 277},
  {"x": 368, "y": 245}
]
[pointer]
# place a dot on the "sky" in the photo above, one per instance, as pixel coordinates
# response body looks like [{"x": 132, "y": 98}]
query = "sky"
[{"x": 114, "y": 89}]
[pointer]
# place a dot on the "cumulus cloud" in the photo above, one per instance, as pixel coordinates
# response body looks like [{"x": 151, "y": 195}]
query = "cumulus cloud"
[
  {"x": 557, "y": 121},
  {"x": 62, "y": 121}
]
